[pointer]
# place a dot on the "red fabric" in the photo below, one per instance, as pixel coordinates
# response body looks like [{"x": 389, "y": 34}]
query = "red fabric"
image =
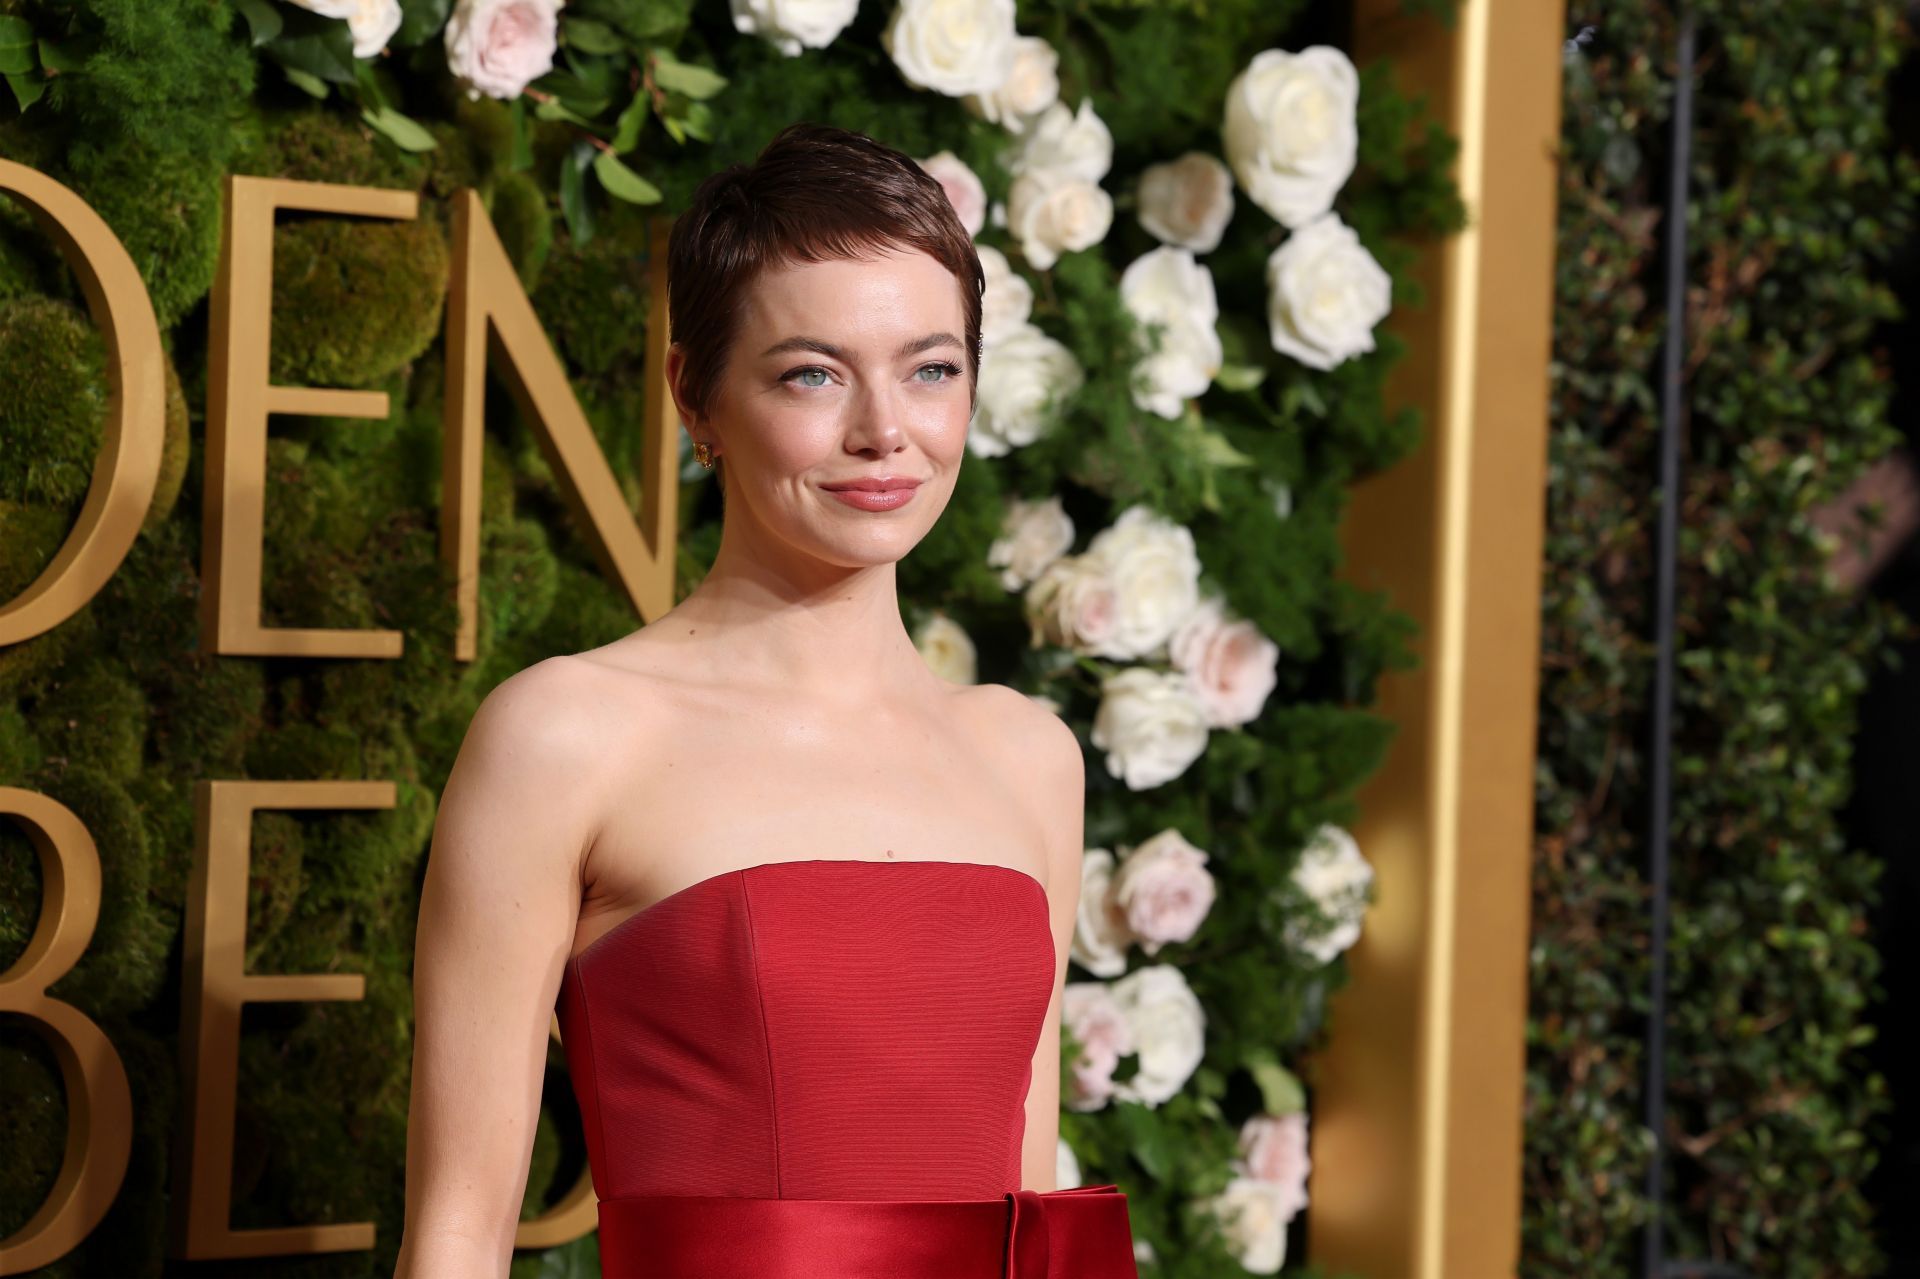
[
  {"x": 1079, "y": 1233},
  {"x": 804, "y": 1034}
]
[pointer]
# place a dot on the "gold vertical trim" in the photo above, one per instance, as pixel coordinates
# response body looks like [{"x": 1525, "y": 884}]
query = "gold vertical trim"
[{"x": 1417, "y": 1130}]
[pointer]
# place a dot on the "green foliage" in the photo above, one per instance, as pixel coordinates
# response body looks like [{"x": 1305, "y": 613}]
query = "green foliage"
[
  {"x": 525, "y": 224},
  {"x": 354, "y": 303},
  {"x": 1797, "y": 194},
  {"x": 55, "y": 410},
  {"x": 164, "y": 207}
]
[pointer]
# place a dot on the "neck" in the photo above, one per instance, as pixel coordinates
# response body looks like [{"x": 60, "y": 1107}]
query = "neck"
[{"x": 784, "y": 620}]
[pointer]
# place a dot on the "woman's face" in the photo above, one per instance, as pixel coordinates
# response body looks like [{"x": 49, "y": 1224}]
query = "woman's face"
[{"x": 844, "y": 370}]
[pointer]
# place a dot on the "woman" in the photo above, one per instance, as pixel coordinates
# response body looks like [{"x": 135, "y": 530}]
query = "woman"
[{"x": 803, "y": 907}]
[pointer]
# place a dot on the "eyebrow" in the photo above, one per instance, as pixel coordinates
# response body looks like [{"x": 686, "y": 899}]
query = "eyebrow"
[{"x": 823, "y": 347}]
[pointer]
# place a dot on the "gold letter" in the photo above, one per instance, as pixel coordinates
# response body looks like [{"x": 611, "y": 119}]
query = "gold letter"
[
  {"x": 128, "y": 468},
  {"x": 99, "y": 1105},
  {"x": 214, "y": 987},
  {"x": 484, "y": 298},
  {"x": 239, "y": 398}
]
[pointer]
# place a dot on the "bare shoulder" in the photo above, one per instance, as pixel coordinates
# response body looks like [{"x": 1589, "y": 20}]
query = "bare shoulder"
[
  {"x": 1041, "y": 757},
  {"x": 1038, "y": 742},
  {"x": 545, "y": 740},
  {"x": 545, "y": 713}
]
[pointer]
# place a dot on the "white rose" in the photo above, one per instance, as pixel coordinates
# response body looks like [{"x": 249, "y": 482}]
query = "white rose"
[
  {"x": 1274, "y": 1148},
  {"x": 963, "y": 188},
  {"x": 1325, "y": 293},
  {"x": 1169, "y": 1032},
  {"x": 1073, "y": 604},
  {"x": 954, "y": 47},
  {"x": 1100, "y": 932},
  {"x": 1232, "y": 665},
  {"x": 1101, "y": 1028},
  {"x": 1024, "y": 378},
  {"x": 1033, "y": 535},
  {"x": 791, "y": 25},
  {"x": 1164, "y": 889},
  {"x": 1156, "y": 572},
  {"x": 1251, "y": 1217},
  {"x": 1068, "y": 143},
  {"x": 1064, "y": 143},
  {"x": 499, "y": 47},
  {"x": 1150, "y": 725},
  {"x": 1335, "y": 877},
  {"x": 1031, "y": 86},
  {"x": 1066, "y": 1167},
  {"x": 1168, "y": 287},
  {"x": 1008, "y": 300},
  {"x": 1187, "y": 202},
  {"x": 1290, "y": 130},
  {"x": 1051, "y": 212},
  {"x": 371, "y": 23},
  {"x": 947, "y": 649}
]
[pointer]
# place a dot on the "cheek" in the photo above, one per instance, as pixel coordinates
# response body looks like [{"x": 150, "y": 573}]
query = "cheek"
[
  {"x": 942, "y": 425},
  {"x": 797, "y": 441}
]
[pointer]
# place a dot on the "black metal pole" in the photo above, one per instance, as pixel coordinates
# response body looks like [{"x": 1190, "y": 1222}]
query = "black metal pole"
[{"x": 1671, "y": 426}]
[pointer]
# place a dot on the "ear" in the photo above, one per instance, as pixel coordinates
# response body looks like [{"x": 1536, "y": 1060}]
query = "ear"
[{"x": 676, "y": 369}]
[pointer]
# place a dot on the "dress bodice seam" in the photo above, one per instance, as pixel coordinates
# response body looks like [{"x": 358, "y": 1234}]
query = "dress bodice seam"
[
  {"x": 586, "y": 1024},
  {"x": 766, "y": 1032}
]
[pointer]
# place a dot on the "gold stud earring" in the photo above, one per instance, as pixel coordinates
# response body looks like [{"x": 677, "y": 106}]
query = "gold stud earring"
[{"x": 704, "y": 454}]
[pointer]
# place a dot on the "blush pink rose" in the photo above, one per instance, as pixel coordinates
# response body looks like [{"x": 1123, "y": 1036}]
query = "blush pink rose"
[
  {"x": 499, "y": 47},
  {"x": 1232, "y": 666},
  {"x": 1074, "y": 603},
  {"x": 1164, "y": 890},
  {"x": 1104, "y": 1034},
  {"x": 963, "y": 188},
  {"x": 1274, "y": 1149}
]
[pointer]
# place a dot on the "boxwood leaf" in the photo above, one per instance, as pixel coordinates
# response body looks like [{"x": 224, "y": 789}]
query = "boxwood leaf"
[
  {"x": 622, "y": 181},
  {"x": 16, "y": 45},
  {"x": 405, "y": 132},
  {"x": 26, "y": 88},
  {"x": 696, "y": 82},
  {"x": 263, "y": 20}
]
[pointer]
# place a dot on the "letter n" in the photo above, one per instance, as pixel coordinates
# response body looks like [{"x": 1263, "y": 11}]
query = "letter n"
[{"x": 488, "y": 313}]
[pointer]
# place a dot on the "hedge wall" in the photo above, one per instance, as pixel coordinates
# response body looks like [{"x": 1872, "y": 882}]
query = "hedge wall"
[{"x": 1797, "y": 198}]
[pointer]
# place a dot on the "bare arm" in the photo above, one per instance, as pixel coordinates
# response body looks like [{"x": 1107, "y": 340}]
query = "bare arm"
[
  {"x": 1060, "y": 774},
  {"x": 497, "y": 917}
]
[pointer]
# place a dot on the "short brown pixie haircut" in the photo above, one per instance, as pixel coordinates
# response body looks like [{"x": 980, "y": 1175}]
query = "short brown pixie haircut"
[{"x": 815, "y": 193}]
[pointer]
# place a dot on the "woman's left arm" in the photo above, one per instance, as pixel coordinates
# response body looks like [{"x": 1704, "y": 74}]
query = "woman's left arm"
[{"x": 1058, "y": 771}]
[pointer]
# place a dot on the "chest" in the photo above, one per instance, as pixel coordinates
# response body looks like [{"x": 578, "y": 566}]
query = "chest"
[{"x": 748, "y": 783}]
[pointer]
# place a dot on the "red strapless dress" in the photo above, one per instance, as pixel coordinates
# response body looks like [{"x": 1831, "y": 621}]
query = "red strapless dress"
[{"x": 818, "y": 1070}]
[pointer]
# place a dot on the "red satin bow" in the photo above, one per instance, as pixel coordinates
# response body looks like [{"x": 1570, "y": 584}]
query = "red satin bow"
[{"x": 1085, "y": 1232}]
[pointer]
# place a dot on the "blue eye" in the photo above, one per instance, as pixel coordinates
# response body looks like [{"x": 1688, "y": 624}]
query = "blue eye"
[
  {"x": 950, "y": 371},
  {"x": 811, "y": 368}
]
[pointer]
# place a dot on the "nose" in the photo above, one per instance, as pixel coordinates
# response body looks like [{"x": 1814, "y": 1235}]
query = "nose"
[{"x": 874, "y": 421}]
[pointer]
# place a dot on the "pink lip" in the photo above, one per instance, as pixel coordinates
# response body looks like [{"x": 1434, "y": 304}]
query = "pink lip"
[
  {"x": 868, "y": 498},
  {"x": 874, "y": 484}
]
